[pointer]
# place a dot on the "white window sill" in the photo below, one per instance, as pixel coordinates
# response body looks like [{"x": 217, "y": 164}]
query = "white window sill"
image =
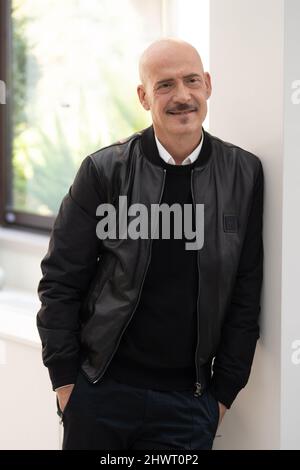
[
  {"x": 23, "y": 240},
  {"x": 18, "y": 311}
]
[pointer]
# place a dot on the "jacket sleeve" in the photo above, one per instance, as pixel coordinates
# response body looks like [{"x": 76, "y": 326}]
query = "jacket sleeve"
[
  {"x": 240, "y": 331},
  {"x": 67, "y": 269}
]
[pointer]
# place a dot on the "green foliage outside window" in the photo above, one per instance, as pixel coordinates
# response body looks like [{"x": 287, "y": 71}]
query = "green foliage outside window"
[{"x": 47, "y": 150}]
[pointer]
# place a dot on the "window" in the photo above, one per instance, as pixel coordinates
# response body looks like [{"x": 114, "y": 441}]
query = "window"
[{"x": 71, "y": 72}]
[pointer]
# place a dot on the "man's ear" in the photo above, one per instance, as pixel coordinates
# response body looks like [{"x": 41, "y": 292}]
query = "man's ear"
[
  {"x": 143, "y": 97},
  {"x": 207, "y": 84}
]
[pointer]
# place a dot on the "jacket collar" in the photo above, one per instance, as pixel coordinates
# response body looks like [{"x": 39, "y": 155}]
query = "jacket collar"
[{"x": 150, "y": 151}]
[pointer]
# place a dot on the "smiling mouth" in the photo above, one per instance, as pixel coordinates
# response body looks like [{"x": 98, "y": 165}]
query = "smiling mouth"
[{"x": 179, "y": 113}]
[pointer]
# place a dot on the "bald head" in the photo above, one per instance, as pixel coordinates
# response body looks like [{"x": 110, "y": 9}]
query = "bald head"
[{"x": 160, "y": 51}]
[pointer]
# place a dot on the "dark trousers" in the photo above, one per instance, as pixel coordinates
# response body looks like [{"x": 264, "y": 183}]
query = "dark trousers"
[{"x": 110, "y": 415}]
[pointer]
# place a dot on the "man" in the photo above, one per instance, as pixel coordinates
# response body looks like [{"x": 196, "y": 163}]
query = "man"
[{"x": 158, "y": 339}]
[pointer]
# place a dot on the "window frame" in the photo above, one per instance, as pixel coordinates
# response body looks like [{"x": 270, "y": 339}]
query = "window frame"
[
  {"x": 8, "y": 216},
  {"x": 4, "y": 5}
]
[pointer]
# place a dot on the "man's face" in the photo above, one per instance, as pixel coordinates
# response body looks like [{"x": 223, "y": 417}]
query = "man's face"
[{"x": 175, "y": 89}]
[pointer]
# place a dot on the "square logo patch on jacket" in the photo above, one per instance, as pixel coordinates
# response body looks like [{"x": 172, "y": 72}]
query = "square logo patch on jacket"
[{"x": 230, "y": 223}]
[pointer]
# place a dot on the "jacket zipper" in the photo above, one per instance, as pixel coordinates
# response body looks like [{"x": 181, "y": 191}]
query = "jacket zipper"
[
  {"x": 198, "y": 385},
  {"x": 139, "y": 294}
]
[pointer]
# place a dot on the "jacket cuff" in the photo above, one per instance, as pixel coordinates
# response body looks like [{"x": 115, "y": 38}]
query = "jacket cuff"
[
  {"x": 63, "y": 373},
  {"x": 223, "y": 390}
]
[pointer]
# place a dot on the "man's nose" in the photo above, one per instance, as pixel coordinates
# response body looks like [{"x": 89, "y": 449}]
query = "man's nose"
[{"x": 182, "y": 93}]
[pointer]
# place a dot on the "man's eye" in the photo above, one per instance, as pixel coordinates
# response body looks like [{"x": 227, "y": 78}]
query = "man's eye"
[
  {"x": 194, "y": 80},
  {"x": 164, "y": 85}
]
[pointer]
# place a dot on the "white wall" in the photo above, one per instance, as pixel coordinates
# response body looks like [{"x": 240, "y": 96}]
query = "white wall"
[
  {"x": 254, "y": 58},
  {"x": 290, "y": 407},
  {"x": 27, "y": 405},
  {"x": 28, "y": 418},
  {"x": 21, "y": 254}
]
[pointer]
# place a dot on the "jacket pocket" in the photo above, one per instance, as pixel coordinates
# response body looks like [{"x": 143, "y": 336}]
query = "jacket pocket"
[
  {"x": 230, "y": 223},
  {"x": 215, "y": 410},
  {"x": 97, "y": 284}
]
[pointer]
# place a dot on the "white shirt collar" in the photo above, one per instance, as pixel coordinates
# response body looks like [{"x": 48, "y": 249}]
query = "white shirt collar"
[{"x": 164, "y": 154}]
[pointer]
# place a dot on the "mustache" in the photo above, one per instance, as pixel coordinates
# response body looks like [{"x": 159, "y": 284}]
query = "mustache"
[{"x": 181, "y": 107}]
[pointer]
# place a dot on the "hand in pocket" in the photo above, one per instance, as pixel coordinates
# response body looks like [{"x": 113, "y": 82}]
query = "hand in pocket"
[{"x": 63, "y": 395}]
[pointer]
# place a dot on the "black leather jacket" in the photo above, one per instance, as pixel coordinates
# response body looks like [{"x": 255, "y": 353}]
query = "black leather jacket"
[{"x": 91, "y": 288}]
